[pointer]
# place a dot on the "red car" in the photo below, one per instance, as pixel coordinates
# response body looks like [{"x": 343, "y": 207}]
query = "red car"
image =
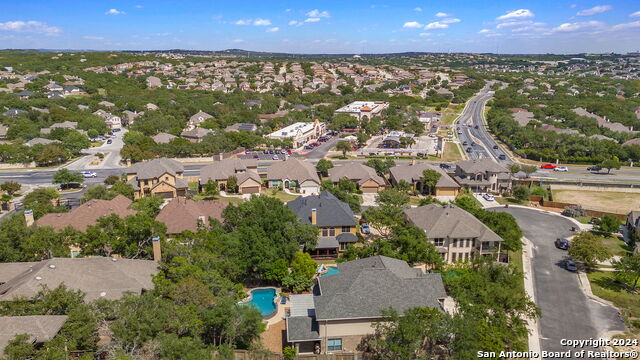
[{"x": 547, "y": 166}]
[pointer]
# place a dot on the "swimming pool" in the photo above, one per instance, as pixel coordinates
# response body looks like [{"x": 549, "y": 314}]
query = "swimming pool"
[
  {"x": 263, "y": 300},
  {"x": 331, "y": 270}
]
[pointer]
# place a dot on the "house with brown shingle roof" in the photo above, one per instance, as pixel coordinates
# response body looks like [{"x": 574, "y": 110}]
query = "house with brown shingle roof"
[
  {"x": 198, "y": 118},
  {"x": 40, "y": 328},
  {"x": 244, "y": 170},
  {"x": 88, "y": 214},
  {"x": 163, "y": 138},
  {"x": 457, "y": 234},
  {"x": 196, "y": 134},
  {"x": 412, "y": 174},
  {"x": 182, "y": 214},
  {"x": 365, "y": 177},
  {"x": 294, "y": 174},
  {"x": 164, "y": 177}
]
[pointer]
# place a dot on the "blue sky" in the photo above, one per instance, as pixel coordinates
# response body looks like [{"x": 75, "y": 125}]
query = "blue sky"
[{"x": 352, "y": 26}]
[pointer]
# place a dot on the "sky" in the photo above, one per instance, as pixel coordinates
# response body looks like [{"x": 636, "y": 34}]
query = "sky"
[{"x": 324, "y": 26}]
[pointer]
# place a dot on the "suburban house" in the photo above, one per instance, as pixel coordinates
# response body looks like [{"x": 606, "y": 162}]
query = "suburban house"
[
  {"x": 334, "y": 218},
  {"x": 198, "y": 118},
  {"x": 344, "y": 306},
  {"x": 241, "y": 127},
  {"x": 365, "y": 177},
  {"x": 40, "y": 328},
  {"x": 457, "y": 234},
  {"x": 294, "y": 174},
  {"x": 71, "y": 125},
  {"x": 299, "y": 133},
  {"x": 41, "y": 141},
  {"x": 412, "y": 174},
  {"x": 482, "y": 175},
  {"x": 363, "y": 109},
  {"x": 97, "y": 277},
  {"x": 163, "y": 138},
  {"x": 164, "y": 177},
  {"x": 112, "y": 121},
  {"x": 182, "y": 214},
  {"x": 245, "y": 172},
  {"x": 196, "y": 134},
  {"x": 88, "y": 214}
]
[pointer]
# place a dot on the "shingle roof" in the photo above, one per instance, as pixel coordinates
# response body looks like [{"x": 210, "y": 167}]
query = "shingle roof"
[
  {"x": 480, "y": 166},
  {"x": 182, "y": 214},
  {"x": 97, "y": 277},
  {"x": 154, "y": 168},
  {"x": 364, "y": 288},
  {"x": 355, "y": 172},
  {"x": 300, "y": 328},
  {"x": 293, "y": 169},
  {"x": 223, "y": 169},
  {"x": 199, "y": 117},
  {"x": 163, "y": 138},
  {"x": 41, "y": 328},
  {"x": 412, "y": 173},
  {"x": 449, "y": 221},
  {"x": 330, "y": 211},
  {"x": 88, "y": 214},
  {"x": 41, "y": 141}
]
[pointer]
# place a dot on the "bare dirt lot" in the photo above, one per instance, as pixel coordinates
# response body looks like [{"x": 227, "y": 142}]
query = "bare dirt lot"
[{"x": 608, "y": 201}]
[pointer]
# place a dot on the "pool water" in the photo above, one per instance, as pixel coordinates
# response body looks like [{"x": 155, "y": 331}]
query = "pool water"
[
  {"x": 262, "y": 299},
  {"x": 331, "y": 270}
]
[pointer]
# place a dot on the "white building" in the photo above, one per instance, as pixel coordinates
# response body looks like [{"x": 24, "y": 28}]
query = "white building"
[
  {"x": 362, "y": 109},
  {"x": 300, "y": 132}
]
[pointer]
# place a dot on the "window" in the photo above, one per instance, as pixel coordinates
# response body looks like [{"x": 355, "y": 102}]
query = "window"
[
  {"x": 346, "y": 229},
  {"x": 438, "y": 242},
  {"x": 468, "y": 242},
  {"x": 325, "y": 232},
  {"x": 332, "y": 232},
  {"x": 455, "y": 243},
  {"x": 334, "y": 344},
  {"x": 453, "y": 257},
  {"x": 146, "y": 182}
]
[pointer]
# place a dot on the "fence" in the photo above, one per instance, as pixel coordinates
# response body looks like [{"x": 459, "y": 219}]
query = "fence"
[{"x": 561, "y": 205}]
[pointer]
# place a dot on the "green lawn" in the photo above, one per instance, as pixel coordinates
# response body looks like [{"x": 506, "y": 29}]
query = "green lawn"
[
  {"x": 451, "y": 152},
  {"x": 281, "y": 195},
  {"x": 230, "y": 200},
  {"x": 510, "y": 201},
  {"x": 616, "y": 245},
  {"x": 604, "y": 285},
  {"x": 448, "y": 118},
  {"x": 515, "y": 259}
]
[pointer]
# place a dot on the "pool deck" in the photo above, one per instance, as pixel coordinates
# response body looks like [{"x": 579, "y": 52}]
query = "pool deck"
[
  {"x": 280, "y": 311},
  {"x": 279, "y": 315}
]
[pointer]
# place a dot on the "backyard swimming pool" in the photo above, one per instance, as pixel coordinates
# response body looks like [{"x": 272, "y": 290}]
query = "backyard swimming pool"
[
  {"x": 263, "y": 300},
  {"x": 331, "y": 270}
]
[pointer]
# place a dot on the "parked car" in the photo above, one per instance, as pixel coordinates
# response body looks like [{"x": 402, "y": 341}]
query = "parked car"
[
  {"x": 265, "y": 151},
  {"x": 271, "y": 152},
  {"x": 502, "y": 157},
  {"x": 275, "y": 157},
  {"x": 109, "y": 141},
  {"x": 256, "y": 156},
  {"x": 547, "y": 166},
  {"x": 364, "y": 228},
  {"x": 88, "y": 174},
  {"x": 314, "y": 144},
  {"x": 594, "y": 168},
  {"x": 488, "y": 197},
  {"x": 562, "y": 243},
  {"x": 308, "y": 147},
  {"x": 570, "y": 265},
  {"x": 561, "y": 168},
  {"x": 445, "y": 166},
  {"x": 116, "y": 130}
]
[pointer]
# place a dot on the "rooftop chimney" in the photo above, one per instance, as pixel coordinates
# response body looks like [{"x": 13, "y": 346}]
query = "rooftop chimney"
[
  {"x": 314, "y": 216},
  {"x": 157, "y": 254},
  {"x": 28, "y": 217}
]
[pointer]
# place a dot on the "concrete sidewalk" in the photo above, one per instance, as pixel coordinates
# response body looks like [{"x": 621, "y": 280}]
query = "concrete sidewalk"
[{"x": 532, "y": 324}]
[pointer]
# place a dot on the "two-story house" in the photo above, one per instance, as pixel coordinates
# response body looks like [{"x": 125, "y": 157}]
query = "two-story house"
[
  {"x": 164, "y": 177},
  {"x": 483, "y": 175},
  {"x": 334, "y": 218},
  {"x": 457, "y": 234},
  {"x": 345, "y": 305},
  {"x": 245, "y": 172},
  {"x": 413, "y": 172}
]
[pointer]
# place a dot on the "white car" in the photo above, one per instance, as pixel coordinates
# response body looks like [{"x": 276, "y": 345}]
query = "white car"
[
  {"x": 488, "y": 197},
  {"x": 88, "y": 174},
  {"x": 275, "y": 157},
  {"x": 561, "y": 168}
]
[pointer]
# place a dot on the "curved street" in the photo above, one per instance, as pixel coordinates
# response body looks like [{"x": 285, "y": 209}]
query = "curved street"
[{"x": 567, "y": 313}]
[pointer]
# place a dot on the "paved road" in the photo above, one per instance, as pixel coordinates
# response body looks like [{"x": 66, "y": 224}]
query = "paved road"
[{"x": 566, "y": 311}]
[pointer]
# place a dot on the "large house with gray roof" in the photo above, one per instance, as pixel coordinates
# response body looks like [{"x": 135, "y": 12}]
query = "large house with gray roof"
[
  {"x": 456, "y": 234},
  {"x": 483, "y": 175},
  {"x": 294, "y": 174},
  {"x": 344, "y": 306},
  {"x": 40, "y": 328},
  {"x": 164, "y": 177},
  {"x": 365, "y": 177},
  {"x": 333, "y": 217},
  {"x": 412, "y": 174},
  {"x": 245, "y": 171}
]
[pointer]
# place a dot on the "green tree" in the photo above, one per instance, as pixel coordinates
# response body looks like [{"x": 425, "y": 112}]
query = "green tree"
[
  {"x": 429, "y": 180},
  {"x": 392, "y": 197},
  {"x": 10, "y": 187},
  {"x": 277, "y": 271},
  {"x": 521, "y": 192},
  {"x": 588, "y": 248},
  {"x": 40, "y": 201},
  {"x": 629, "y": 269},
  {"x": 610, "y": 164},
  {"x": 381, "y": 166},
  {"x": 514, "y": 168},
  {"x": 211, "y": 188},
  {"x": 528, "y": 169},
  {"x": 323, "y": 167},
  {"x": 289, "y": 353},
  {"x": 20, "y": 348},
  {"x": 303, "y": 265},
  {"x": 609, "y": 224},
  {"x": 403, "y": 185},
  {"x": 111, "y": 180},
  {"x": 343, "y": 146},
  {"x": 232, "y": 184},
  {"x": 66, "y": 177}
]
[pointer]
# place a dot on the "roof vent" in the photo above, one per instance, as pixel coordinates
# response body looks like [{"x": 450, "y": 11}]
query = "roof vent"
[
  {"x": 52, "y": 266},
  {"x": 38, "y": 277}
]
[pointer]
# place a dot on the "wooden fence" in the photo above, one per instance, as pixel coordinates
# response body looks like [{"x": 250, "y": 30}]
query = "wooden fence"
[{"x": 561, "y": 205}]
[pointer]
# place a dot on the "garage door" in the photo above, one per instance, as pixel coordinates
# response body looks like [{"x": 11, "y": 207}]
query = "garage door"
[
  {"x": 369, "y": 189},
  {"x": 251, "y": 190}
]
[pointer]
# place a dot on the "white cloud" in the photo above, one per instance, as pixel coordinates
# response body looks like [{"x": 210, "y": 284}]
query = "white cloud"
[
  {"x": 295, "y": 23},
  {"x": 261, "y": 22},
  {"x": 309, "y": 20},
  {"x": 630, "y": 25},
  {"x": 436, "y": 25},
  {"x": 517, "y": 14},
  {"x": 243, "y": 22},
  {"x": 273, "y": 29},
  {"x": 89, "y": 37},
  {"x": 635, "y": 14},
  {"x": 425, "y": 34},
  {"x": 114, "y": 12},
  {"x": 412, "y": 25},
  {"x": 450, "y": 21},
  {"x": 35, "y": 27},
  {"x": 519, "y": 23},
  {"x": 442, "y": 14},
  {"x": 418, "y": 9},
  {"x": 237, "y": 41},
  {"x": 579, "y": 26},
  {"x": 594, "y": 10},
  {"x": 484, "y": 31},
  {"x": 315, "y": 13},
  {"x": 287, "y": 10}
]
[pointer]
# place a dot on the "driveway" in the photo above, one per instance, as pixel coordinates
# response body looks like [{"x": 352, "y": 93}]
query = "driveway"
[
  {"x": 566, "y": 311},
  {"x": 111, "y": 155}
]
